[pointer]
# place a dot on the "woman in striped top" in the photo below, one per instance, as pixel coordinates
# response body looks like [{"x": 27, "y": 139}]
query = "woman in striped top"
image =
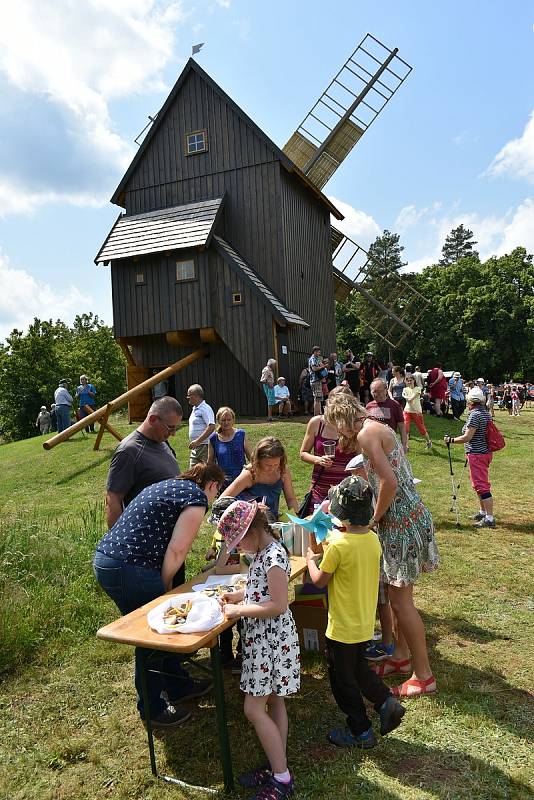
[
  {"x": 328, "y": 470},
  {"x": 478, "y": 454}
]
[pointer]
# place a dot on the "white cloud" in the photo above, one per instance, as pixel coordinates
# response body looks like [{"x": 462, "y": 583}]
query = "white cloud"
[
  {"x": 69, "y": 61},
  {"x": 23, "y": 298},
  {"x": 357, "y": 225},
  {"x": 410, "y": 216},
  {"x": 516, "y": 158},
  {"x": 495, "y": 235}
]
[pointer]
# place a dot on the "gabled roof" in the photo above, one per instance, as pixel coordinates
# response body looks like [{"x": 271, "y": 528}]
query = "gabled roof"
[
  {"x": 248, "y": 274},
  {"x": 285, "y": 161},
  {"x": 174, "y": 228}
]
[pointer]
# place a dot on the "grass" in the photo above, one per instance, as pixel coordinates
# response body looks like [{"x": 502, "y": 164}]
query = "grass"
[{"x": 68, "y": 725}]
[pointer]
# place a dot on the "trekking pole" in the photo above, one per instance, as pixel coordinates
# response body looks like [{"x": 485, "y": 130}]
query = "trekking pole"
[{"x": 454, "y": 501}]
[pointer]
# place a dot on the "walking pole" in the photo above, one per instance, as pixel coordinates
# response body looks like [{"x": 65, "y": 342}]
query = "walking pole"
[{"x": 454, "y": 502}]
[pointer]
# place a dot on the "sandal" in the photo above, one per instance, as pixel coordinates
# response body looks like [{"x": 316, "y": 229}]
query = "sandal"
[
  {"x": 390, "y": 666},
  {"x": 415, "y": 688}
]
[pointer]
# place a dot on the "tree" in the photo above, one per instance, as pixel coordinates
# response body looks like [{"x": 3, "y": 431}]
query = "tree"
[
  {"x": 385, "y": 255},
  {"x": 458, "y": 244},
  {"x": 32, "y": 364}
]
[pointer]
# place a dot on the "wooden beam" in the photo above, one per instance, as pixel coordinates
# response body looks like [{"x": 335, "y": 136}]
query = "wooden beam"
[
  {"x": 126, "y": 352},
  {"x": 183, "y": 338},
  {"x": 202, "y": 352},
  {"x": 103, "y": 426},
  {"x": 209, "y": 336}
]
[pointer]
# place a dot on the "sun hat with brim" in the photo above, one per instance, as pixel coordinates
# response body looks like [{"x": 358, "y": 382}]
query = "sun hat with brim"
[
  {"x": 457, "y": 375},
  {"x": 43, "y": 408},
  {"x": 351, "y": 500},
  {"x": 475, "y": 395},
  {"x": 480, "y": 380},
  {"x": 235, "y": 522}
]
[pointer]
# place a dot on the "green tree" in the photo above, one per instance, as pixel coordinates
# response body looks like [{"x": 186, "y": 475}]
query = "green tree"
[
  {"x": 458, "y": 244},
  {"x": 385, "y": 255},
  {"x": 32, "y": 364}
]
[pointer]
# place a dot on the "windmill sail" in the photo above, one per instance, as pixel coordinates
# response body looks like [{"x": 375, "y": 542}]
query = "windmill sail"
[
  {"x": 393, "y": 305},
  {"x": 353, "y": 100}
]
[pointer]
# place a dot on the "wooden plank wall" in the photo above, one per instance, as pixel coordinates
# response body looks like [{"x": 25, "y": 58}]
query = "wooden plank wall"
[
  {"x": 238, "y": 161},
  {"x": 224, "y": 380},
  {"x": 308, "y": 272},
  {"x": 160, "y": 304}
]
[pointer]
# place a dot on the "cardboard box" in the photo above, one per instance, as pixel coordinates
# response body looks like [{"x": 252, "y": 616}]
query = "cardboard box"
[{"x": 311, "y": 624}]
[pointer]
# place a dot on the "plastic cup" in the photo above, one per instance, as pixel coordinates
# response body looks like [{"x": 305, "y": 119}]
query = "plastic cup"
[{"x": 329, "y": 447}]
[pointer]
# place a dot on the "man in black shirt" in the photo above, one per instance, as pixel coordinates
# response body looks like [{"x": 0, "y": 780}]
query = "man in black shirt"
[{"x": 351, "y": 371}]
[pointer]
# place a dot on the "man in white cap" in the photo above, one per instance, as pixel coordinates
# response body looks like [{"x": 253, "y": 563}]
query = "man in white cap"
[
  {"x": 43, "y": 421},
  {"x": 457, "y": 395},
  {"x": 481, "y": 384}
]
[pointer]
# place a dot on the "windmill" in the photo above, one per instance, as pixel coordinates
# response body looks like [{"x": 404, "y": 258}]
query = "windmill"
[{"x": 357, "y": 94}]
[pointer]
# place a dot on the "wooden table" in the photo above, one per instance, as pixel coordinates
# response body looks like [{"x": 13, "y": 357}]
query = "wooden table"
[{"x": 133, "y": 629}]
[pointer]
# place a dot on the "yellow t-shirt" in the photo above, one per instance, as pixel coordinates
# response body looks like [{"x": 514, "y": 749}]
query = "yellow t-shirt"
[{"x": 353, "y": 559}]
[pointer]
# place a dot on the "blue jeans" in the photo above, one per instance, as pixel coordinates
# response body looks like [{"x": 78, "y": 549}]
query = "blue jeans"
[
  {"x": 130, "y": 587},
  {"x": 62, "y": 417}
]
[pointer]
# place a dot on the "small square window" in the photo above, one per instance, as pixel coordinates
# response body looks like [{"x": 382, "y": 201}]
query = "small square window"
[
  {"x": 237, "y": 298},
  {"x": 196, "y": 142},
  {"x": 185, "y": 270},
  {"x": 139, "y": 278}
]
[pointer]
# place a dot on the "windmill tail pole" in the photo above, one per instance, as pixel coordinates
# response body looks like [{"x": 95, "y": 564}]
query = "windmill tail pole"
[{"x": 124, "y": 398}]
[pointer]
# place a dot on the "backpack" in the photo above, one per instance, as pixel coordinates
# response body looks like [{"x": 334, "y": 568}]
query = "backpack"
[{"x": 494, "y": 437}]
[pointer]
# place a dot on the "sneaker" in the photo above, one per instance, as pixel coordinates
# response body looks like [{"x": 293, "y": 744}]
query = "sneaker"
[
  {"x": 376, "y": 651},
  {"x": 479, "y": 516},
  {"x": 274, "y": 790},
  {"x": 485, "y": 523},
  {"x": 256, "y": 777},
  {"x": 237, "y": 664},
  {"x": 342, "y": 737},
  {"x": 428, "y": 445},
  {"x": 391, "y": 714},
  {"x": 171, "y": 717},
  {"x": 192, "y": 689}
]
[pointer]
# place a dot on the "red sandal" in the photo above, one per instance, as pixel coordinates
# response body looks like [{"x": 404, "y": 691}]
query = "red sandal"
[
  {"x": 390, "y": 666},
  {"x": 415, "y": 688}
]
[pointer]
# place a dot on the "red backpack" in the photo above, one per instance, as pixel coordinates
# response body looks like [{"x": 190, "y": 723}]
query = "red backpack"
[{"x": 494, "y": 437}]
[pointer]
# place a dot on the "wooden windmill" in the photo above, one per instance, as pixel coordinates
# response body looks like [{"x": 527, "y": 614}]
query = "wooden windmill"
[
  {"x": 333, "y": 126},
  {"x": 223, "y": 257}
]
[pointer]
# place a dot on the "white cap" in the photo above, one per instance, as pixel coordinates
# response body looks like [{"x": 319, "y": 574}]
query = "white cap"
[
  {"x": 480, "y": 380},
  {"x": 476, "y": 395},
  {"x": 355, "y": 463},
  {"x": 281, "y": 379},
  {"x": 43, "y": 408}
]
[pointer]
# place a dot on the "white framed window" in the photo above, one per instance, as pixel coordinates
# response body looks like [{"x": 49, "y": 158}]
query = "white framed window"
[
  {"x": 237, "y": 299},
  {"x": 196, "y": 142},
  {"x": 185, "y": 270},
  {"x": 139, "y": 278}
]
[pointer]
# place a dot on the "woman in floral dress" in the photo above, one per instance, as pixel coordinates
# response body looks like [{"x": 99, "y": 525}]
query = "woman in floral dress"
[{"x": 406, "y": 531}]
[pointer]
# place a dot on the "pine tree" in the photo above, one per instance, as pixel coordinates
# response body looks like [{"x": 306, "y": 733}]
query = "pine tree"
[
  {"x": 385, "y": 255},
  {"x": 458, "y": 244}
]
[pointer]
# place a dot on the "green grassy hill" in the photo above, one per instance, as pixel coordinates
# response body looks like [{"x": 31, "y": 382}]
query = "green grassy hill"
[{"x": 68, "y": 725}]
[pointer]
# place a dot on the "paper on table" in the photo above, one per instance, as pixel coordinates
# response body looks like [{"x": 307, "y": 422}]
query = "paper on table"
[
  {"x": 217, "y": 580},
  {"x": 205, "y": 614}
]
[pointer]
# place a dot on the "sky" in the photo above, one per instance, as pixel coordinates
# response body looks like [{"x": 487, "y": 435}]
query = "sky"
[{"x": 79, "y": 79}]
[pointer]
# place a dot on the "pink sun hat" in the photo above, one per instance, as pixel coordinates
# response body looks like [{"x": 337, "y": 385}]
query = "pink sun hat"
[{"x": 235, "y": 522}]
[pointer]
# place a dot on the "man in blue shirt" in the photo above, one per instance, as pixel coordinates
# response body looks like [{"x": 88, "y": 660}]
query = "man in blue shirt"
[
  {"x": 86, "y": 394},
  {"x": 457, "y": 395}
]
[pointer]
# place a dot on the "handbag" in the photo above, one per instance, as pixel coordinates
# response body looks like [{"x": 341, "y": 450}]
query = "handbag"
[
  {"x": 323, "y": 372},
  {"x": 303, "y": 508}
]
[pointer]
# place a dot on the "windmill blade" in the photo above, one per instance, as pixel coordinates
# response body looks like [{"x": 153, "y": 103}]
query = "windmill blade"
[{"x": 353, "y": 100}]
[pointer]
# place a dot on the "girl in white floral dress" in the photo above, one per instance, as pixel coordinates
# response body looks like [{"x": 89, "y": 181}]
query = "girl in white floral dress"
[{"x": 271, "y": 658}]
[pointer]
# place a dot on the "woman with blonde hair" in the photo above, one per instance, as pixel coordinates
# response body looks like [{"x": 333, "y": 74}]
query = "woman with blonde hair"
[
  {"x": 406, "y": 531},
  {"x": 265, "y": 478},
  {"x": 228, "y": 446}
]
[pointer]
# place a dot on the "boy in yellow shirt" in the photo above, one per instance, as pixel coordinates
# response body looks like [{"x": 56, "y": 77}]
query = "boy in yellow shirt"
[{"x": 350, "y": 568}]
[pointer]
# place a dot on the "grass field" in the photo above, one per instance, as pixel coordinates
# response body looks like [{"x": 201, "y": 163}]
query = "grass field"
[{"x": 68, "y": 724}]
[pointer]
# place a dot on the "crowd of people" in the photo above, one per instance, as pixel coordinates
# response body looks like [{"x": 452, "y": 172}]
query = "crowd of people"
[
  {"x": 59, "y": 418},
  {"x": 382, "y": 540}
]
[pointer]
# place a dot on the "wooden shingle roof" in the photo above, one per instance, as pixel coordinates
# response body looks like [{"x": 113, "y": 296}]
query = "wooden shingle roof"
[
  {"x": 173, "y": 228},
  {"x": 248, "y": 274}
]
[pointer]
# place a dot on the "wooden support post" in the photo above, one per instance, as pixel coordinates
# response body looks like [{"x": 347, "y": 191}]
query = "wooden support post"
[
  {"x": 103, "y": 426},
  {"x": 123, "y": 398}
]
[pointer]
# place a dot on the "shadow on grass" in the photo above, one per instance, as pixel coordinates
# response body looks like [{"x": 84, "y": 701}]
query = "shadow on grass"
[{"x": 87, "y": 468}]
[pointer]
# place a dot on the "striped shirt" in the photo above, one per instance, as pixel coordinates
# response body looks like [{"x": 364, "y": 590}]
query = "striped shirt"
[{"x": 478, "y": 419}]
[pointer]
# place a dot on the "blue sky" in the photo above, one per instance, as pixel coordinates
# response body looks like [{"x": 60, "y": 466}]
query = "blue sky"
[{"x": 77, "y": 81}]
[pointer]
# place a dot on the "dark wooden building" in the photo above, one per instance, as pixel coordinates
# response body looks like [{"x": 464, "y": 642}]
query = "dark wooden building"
[{"x": 224, "y": 241}]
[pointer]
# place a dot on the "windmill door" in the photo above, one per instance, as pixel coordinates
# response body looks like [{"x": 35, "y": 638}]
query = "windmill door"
[{"x": 282, "y": 351}]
